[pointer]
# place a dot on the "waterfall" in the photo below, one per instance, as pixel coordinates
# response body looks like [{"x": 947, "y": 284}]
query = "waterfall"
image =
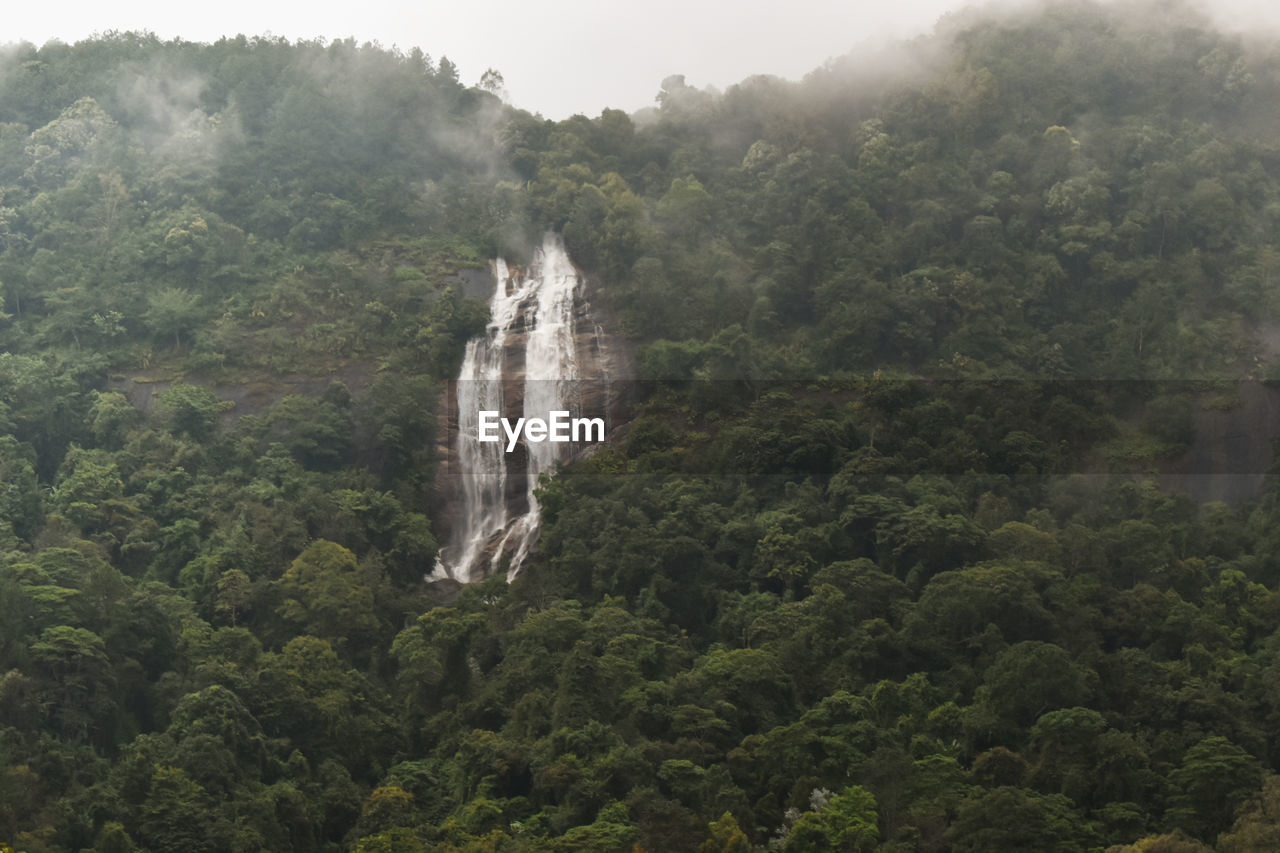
[{"x": 534, "y": 307}]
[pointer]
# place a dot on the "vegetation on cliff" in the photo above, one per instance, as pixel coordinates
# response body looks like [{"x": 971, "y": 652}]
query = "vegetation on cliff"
[{"x": 875, "y": 567}]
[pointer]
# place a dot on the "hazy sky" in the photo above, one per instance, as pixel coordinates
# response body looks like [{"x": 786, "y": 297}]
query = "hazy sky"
[{"x": 558, "y": 56}]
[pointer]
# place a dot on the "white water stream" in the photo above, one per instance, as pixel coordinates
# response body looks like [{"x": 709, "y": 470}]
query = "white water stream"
[{"x": 538, "y": 303}]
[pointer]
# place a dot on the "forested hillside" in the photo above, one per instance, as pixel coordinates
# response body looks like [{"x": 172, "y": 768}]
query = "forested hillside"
[{"x": 878, "y": 565}]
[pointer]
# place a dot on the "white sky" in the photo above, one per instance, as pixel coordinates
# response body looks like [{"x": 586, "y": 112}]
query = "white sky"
[{"x": 558, "y": 56}]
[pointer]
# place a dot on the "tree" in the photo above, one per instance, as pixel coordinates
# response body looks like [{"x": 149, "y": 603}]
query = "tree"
[
  {"x": 492, "y": 81},
  {"x": 80, "y": 682},
  {"x": 1257, "y": 826},
  {"x": 87, "y": 480},
  {"x": 1025, "y": 681},
  {"x": 111, "y": 417},
  {"x": 1172, "y": 842},
  {"x": 20, "y": 503},
  {"x": 189, "y": 410},
  {"x": 845, "y": 822},
  {"x": 686, "y": 208},
  {"x": 324, "y": 596},
  {"x": 235, "y": 594},
  {"x": 388, "y": 807},
  {"x": 317, "y": 432},
  {"x": 726, "y": 837},
  {"x": 1013, "y": 819},
  {"x": 172, "y": 311},
  {"x": 1215, "y": 778},
  {"x": 1078, "y": 755},
  {"x": 178, "y": 815}
]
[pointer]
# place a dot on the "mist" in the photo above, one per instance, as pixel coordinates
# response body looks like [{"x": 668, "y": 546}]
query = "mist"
[{"x": 571, "y": 56}]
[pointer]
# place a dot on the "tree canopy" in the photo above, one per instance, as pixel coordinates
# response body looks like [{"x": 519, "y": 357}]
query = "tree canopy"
[{"x": 883, "y": 560}]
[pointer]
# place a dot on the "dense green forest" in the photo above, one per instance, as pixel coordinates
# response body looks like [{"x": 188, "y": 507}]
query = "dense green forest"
[{"x": 878, "y": 564}]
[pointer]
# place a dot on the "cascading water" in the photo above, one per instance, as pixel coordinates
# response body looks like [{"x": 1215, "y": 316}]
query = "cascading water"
[{"x": 537, "y": 305}]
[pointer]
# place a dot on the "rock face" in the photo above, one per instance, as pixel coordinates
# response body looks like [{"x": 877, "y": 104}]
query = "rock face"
[{"x": 543, "y": 351}]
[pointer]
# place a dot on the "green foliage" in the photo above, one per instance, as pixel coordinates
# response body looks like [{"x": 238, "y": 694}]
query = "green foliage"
[
  {"x": 1010, "y": 819},
  {"x": 1256, "y": 826},
  {"x": 845, "y": 821},
  {"x": 172, "y": 311},
  {"x": 20, "y": 504},
  {"x": 726, "y": 837},
  {"x": 1215, "y": 777},
  {"x": 323, "y": 595},
  {"x": 189, "y": 410},
  {"x": 838, "y": 548}
]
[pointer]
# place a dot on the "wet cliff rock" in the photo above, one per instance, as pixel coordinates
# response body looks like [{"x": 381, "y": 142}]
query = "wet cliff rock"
[{"x": 546, "y": 349}]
